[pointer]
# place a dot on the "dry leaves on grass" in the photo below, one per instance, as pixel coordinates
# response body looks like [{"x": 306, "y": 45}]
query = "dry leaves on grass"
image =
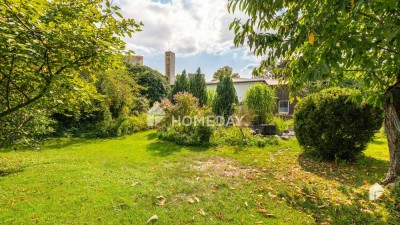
[
  {"x": 223, "y": 167},
  {"x": 152, "y": 219},
  {"x": 162, "y": 200}
]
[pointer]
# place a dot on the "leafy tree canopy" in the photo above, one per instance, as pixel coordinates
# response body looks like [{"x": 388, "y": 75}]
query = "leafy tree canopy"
[
  {"x": 225, "y": 71},
  {"x": 156, "y": 86},
  {"x": 49, "y": 51},
  {"x": 325, "y": 39}
]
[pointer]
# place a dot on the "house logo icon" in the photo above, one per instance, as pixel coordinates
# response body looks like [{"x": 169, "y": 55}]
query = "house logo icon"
[{"x": 155, "y": 115}]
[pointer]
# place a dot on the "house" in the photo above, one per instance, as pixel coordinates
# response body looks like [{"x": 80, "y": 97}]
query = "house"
[{"x": 284, "y": 106}]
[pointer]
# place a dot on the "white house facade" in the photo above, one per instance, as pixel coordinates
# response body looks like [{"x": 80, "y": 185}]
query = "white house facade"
[{"x": 243, "y": 84}]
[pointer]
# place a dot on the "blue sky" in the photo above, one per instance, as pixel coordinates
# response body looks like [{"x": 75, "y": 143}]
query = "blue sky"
[{"x": 197, "y": 31}]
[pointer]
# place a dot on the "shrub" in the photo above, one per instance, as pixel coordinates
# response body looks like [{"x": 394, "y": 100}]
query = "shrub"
[
  {"x": 196, "y": 133},
  {"x": 260, "y": 99},
  {"x": 282, "y": 124},
  {"x": 330, "y": 125},
  {"x": 123, "y": 125},
  {"x": 237, "y": 136}
]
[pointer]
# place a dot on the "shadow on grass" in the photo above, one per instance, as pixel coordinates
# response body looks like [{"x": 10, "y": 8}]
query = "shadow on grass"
[
  {"x": 7, "y": 172},
  {"x": 378, "y": 142},
  {"x": 324, "y": 211},
  {"x": 152, "y": 136},
  {"x": 354, "y": 174},
  {"x": 165, "y": 148},
  {"x": 66, "y": 142},
  {"x": 54, "y": 143}
]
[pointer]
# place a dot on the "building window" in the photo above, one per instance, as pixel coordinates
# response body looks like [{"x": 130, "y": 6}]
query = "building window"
[{"x": 283, "y": 107}]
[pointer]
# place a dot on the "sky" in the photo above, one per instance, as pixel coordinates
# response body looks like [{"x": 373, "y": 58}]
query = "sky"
[{"x": 196, "y": 30}]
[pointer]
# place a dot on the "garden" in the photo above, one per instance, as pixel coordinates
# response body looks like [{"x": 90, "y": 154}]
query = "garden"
[{"x": 88, "y": 137}]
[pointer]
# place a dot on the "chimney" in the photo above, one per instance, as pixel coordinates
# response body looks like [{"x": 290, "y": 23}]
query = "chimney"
[{"x": 170, "y": 67}]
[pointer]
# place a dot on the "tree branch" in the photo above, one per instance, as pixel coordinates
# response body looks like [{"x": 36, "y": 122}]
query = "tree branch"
[{"x": 389, "y": 50}]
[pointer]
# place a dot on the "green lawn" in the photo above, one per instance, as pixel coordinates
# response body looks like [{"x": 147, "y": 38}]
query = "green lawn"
[{"x": 117, "y": 181}]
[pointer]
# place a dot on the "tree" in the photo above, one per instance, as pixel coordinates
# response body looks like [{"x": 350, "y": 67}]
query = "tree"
[
  {"x": 181, "y": 84},
  {"x": 225, "y": 71},
  {"x": 47, "y": 52},
  {"x": 332, "y": 40},
  {"x": 156, "y": 86},
  {"x": 225, "y": 98},
  {"x": 260, "y": 99},
  {"x": 198, "y": 87}
]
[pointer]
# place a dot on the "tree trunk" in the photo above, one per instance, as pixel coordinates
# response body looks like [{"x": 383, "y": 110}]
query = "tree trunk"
[{"x": 392, "y": 113}]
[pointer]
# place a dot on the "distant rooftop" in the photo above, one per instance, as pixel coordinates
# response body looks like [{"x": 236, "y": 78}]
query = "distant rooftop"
[{"x": 271, "y": 82}]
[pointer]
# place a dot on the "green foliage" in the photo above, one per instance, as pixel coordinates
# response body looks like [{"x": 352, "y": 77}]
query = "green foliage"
[
  {"x": 281, "y": 125},
  {"x": 121, "y": 126},
  {"x": 122, "y": 108},
  {"x": 181, "y": 84},
  {"x": 48, "y": 52},
  {"x": 25, "y": 128},
  {"x": 156, "y": 86},
  {"x": 325, "y": 40},
  {"x": 260, "y": 99},
  {"x": 332, "y": 126},
  {"x": 198, "y": 87},
  {"x": 225, "y": 98},
  {"x": 210, "y": 98},
  {"x": 239, "y": 136},
  {"x": 196, "y": 133},
  {"x": 119, "y": 90},
  {"x": 119, "y": 101},
  {"x": 225, "y": 71}
]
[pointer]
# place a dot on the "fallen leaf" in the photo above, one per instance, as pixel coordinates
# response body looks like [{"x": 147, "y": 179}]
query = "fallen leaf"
[
  {"x": 135, "y": 184},
  {"x": 162, "y": 200},
  {"x": 197, "y": 199},
  {"x": 201, "y": 211},
  {"x": 190, "y": 200},
  {"x": 261, "y": 209},
  {"x": 152, "y": 219},
  {"x": 245, "y": 203},
  {"x": 271, "y": 196}
]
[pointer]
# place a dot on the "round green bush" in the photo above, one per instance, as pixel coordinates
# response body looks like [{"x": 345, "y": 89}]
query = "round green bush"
[{"x": 331, "y": 126}]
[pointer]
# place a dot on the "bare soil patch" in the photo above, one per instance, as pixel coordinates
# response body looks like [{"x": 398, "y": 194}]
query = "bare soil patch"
[{"x": 223, "y": 167}]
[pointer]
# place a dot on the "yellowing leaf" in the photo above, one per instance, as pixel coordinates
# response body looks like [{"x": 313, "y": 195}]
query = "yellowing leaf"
[
  {"x": 311, "y": 38},
  {"x": 201, "y": 211},
  {"x": 162, "y": 200},
  {"x": 152, "y": 219},
  {"x": 190, "y": 200}
]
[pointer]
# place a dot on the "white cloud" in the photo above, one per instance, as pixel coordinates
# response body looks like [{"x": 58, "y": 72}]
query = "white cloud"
[{"x": 187, "y": 27}]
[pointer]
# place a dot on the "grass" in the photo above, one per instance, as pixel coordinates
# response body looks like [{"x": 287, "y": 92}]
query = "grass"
[{"x": 121, "y": 181}]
